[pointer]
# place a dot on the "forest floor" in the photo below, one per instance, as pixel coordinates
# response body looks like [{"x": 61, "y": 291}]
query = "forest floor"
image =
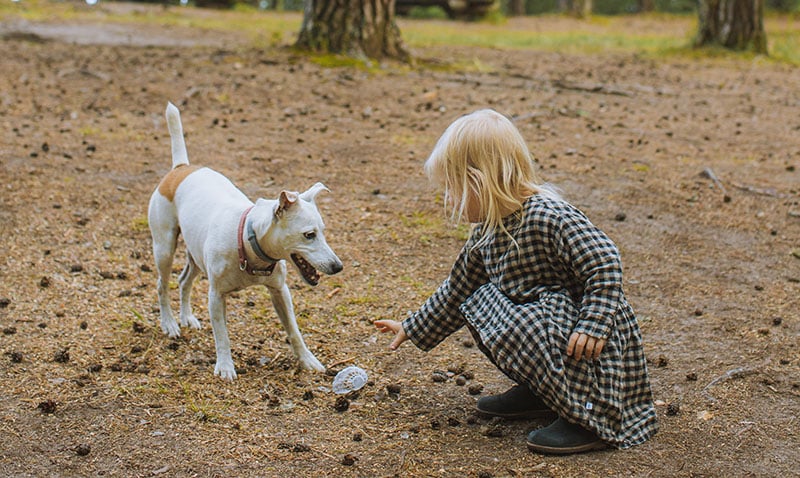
[{"x": 690, "y": 165}]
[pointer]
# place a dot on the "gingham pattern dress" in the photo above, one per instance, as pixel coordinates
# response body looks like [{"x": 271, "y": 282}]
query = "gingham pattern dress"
[{"x": 522, "y": 303}]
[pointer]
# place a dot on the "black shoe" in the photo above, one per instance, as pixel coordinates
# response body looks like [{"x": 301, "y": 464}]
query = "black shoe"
[
  {"x": 562, "y": 437},
  {"x": 516, "y": 402}
]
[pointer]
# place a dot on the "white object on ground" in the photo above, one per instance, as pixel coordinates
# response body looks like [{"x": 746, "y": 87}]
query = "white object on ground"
[{"x": 349, "y": 380}]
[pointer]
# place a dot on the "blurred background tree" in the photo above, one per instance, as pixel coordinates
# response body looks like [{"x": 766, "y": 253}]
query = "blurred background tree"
[
  {"x": 733, "y": 24},
  {"x": 357, "y": 28}
]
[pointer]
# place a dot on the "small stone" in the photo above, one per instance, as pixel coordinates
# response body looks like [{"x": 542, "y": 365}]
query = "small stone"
[
  {"x": 83, "y": 449},
  {"x": 453, "y": 421},
  {"x": 301, "y": 448},
  {"x": 94, "y": 368},
  {"x": 4, "y": 302},
  {"x": 9, "y": 330},
  {"x": 308, "y": 395},
  {"x": 461, "y": 381},
  {"x": 485, "y": 474},
  {"x": 777, "y": 321},
  {"x": 620, "y": 216},
  {"x": 357, "y": 436},
  {"x": 438, "y": 377},
  {"x": 468, "y": 374},
  {"x": 44, "y": 282},
  {"x": 76, "y": 268},
  {"x": 698, "y": 312},
  {"x": 691, "y": 376},
  {"x": 467, "y": 343},
  {"x": 455, "y": 368},
  {"x": 61, "y": 356},
  {"x": 436, "y": 424},
  {"x": 661, "y": 361},
  {"x": 84, "y": 325},
  {"x": 349, "y": 459},
  {"x": 393, "y": 388},
  {"x": 16, "y": 357},
  {"x": 475, "y": 389},
  {"x": 341, "y": 405},
  {"x": 47, "y": 406},
  {"x": 673, "y": 409}
]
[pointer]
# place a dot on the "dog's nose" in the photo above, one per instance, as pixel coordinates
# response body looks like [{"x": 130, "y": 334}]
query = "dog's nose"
[{"x": 336, "y": 268}]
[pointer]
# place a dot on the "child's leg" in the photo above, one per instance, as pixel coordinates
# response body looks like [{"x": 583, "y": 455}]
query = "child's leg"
[{"x": 516, "y": 402}]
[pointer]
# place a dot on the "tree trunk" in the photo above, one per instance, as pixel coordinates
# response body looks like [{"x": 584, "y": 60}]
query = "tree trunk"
[
  {"x": 516, "y": 8},
  {"x": 734, "y": 24},
  {"x": 646, "y": 6},
  {"x": 581, "y": 8},
  {"x": 359, "y": 28}
]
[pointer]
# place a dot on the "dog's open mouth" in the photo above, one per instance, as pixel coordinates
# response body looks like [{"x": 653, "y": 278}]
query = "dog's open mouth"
[{"x": 307, "y": 270}]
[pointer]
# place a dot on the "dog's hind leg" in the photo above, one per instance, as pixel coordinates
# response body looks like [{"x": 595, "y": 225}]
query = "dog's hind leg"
[
  {"x": 216, "y": 310},
  {"x": 164, "y": 243},
  {"x": 282, "y": 301},
  {"x": 186, "y": 280},
  {"x": 164, "y": 228}
]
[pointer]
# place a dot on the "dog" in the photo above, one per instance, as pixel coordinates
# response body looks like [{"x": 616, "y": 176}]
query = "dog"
[{"x": 235, "y": 244}]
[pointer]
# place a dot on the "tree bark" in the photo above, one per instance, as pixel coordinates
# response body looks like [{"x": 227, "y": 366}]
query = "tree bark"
[
  {"x": 581, "y": 8},
  {"x": 358, "y": 28},
  {"x": 646, "y": 5},
  {"x": 516, "y": 8},
  {"x": 733, "y": 24}
]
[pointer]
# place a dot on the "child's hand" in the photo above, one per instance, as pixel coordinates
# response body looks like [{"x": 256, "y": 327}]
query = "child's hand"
[
  {"x": 392, "y": 326},
  {"x": 584, "y": 346}
]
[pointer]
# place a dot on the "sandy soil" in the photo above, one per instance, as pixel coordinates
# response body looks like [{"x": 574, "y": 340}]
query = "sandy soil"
[{"x": 691, "y": 166}]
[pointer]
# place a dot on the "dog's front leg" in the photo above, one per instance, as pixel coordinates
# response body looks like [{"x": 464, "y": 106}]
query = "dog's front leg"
[
  {"x": 282, "y": 301},
  {"x": 216, "y": 309}
]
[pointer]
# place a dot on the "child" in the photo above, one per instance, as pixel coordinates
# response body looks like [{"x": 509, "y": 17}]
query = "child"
[{"x": 540, "y": 289}]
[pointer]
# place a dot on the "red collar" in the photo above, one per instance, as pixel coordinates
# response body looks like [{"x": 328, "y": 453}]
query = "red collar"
[{"x": 244, "y": 265}]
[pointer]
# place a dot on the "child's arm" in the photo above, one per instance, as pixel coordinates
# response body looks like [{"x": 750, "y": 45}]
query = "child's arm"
[
  {"x": 440, "y": 316},
  {"x": 594, "y": 260}
]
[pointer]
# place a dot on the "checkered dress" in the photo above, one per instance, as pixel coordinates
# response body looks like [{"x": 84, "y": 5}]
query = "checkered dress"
[{"x": 522, "y": 303}]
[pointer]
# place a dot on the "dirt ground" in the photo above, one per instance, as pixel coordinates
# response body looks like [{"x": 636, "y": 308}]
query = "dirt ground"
[{"x": 691, "y": 167}]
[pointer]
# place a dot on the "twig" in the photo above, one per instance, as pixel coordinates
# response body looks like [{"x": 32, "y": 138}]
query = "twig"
[
  {"x": 709, "y": 173},
  {"x": 402, "y": 461},
  {"x": 761, "y": 191},
  {"x": 340, "y": 362},
  {"x": 738, "y": 372},
  {"x": 592, "y": 88}
]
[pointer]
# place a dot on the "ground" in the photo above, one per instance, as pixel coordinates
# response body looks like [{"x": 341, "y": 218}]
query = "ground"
[{"x": 690, "y": 165}]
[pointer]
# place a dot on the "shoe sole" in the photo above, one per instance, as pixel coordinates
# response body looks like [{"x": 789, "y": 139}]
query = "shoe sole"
[
  {"x": 519, "y": 415},
  {"x": 550, "y": 450}
]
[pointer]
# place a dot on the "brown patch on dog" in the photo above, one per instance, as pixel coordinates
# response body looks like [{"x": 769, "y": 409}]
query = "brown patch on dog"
[{"x": 174, "y": 178}]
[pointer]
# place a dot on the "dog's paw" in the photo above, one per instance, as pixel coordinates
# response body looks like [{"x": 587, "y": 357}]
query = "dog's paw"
[
  {"x": 191, "y": 321},
  {"x": 225, "y": 370},
  {"x": 309, "y": 362},
  {"x": 170, "y": 327}
]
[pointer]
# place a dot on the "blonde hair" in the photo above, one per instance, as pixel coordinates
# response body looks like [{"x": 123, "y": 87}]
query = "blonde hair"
[{"x": 485, "y": 154}]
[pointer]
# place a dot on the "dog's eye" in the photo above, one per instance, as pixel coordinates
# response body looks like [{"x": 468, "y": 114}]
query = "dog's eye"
[{"x": 310, "y": 235}]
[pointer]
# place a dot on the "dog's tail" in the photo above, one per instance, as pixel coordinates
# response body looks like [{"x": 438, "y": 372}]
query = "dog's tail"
[{"x": 179, "y": 156}]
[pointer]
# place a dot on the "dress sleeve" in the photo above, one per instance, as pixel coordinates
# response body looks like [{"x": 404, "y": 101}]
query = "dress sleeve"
[
  {"x": 594, "y": 259},
  {"x": 439, "y": 316}
]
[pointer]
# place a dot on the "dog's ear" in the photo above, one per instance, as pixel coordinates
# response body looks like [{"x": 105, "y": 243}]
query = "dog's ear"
[
  {"x": 286, "y": 200},
  {"x": 312, "y": 192}
]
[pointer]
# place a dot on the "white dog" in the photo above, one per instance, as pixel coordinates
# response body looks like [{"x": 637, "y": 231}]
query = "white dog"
[{"x": 235, "y": 243}]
